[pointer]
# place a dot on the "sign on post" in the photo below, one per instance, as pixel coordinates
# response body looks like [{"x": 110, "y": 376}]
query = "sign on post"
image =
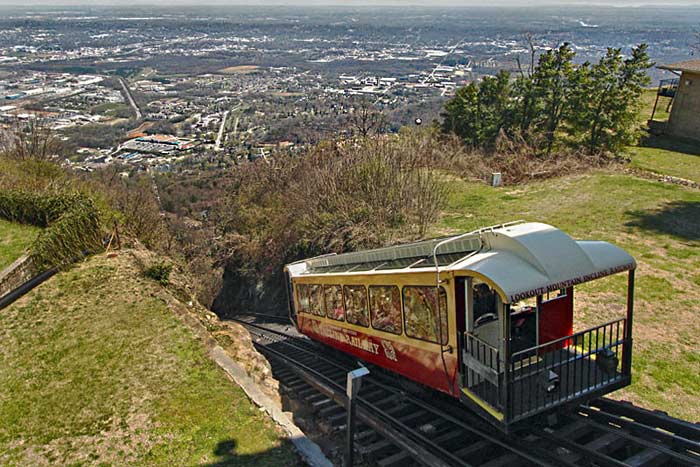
[{"x": 354, "y": 382}]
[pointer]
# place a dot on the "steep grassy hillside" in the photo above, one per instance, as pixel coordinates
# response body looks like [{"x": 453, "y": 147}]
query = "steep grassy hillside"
[
  {"x": 97, "y": 369},
  {"x": 14, "y": 240},
  {"x": 659, "y": 224}
]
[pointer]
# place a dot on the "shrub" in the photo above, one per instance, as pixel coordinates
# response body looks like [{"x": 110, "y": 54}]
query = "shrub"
[
  {"x": 34, "y": 208},
  {"x": 339, "y": 196},
  {"x": 159, "y": 272},
  {"x": 72, "y": 224},
  {"x": 71, "y": 207},
  {"x": 76, "y": 232}
]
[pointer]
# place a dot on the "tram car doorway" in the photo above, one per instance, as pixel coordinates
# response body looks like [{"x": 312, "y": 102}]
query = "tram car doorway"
[{"x": 486, "y": 316}]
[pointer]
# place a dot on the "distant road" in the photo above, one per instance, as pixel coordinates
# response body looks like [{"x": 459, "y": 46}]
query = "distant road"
[
  {"x": 130, "y": 98},
  {"x": 217, "y": 146}
]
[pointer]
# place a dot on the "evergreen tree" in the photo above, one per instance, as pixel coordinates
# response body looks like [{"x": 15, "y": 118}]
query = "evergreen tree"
[
  {"x": 594, "y": 105},
  {"x": 478, "y": 112},
  {"x": 604, "y": 106},
  {"x": 550, "y": 92},
  {"x": 461, "y": 115}
]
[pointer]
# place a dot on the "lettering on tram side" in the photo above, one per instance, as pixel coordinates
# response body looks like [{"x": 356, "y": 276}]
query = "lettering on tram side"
[
  {"x": 389, "y": 350},
  {"x": 340, "y": 336}
]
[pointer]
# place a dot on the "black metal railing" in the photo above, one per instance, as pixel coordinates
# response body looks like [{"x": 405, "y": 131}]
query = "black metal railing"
[
  {"x": 668, "y": 87},
  {"x": 565, "y": 369},
  {"x": 482, "y": 370}
]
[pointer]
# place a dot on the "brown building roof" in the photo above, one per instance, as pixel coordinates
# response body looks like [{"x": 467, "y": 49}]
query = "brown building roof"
[{"x": 691, "y": 66}]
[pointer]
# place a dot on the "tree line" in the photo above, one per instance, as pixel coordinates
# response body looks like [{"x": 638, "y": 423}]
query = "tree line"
[{"x": 556, "y": 104}]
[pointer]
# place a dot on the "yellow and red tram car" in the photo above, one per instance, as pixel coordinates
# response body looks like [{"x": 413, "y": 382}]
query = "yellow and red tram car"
[{"x": 485, "y": 316}]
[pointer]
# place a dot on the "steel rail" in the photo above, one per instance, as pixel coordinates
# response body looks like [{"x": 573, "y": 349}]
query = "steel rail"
[
  {"x": 600, "y": 459},
  {"x": 645, "y": 443},
  {"x": 633, "y": 425},
  {"x": 650, "y": 418}
]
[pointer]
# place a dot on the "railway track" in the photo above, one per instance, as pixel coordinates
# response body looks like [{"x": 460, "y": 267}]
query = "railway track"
[{"x": 397, "y": 427}]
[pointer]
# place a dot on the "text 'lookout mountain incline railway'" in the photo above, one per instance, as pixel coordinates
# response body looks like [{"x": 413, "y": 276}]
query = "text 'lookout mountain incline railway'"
[{"x": 398, "y": 427}]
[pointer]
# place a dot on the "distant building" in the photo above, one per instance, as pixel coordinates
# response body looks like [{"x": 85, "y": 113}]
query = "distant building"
[
  {"x": 684, "y": 120},
  {"x": 153, "y": 144}
]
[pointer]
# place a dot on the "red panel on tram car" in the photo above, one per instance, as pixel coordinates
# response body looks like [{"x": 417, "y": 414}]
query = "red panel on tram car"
[
  {"x": 420, "y": 365},
  {"x": 557, "y": 319}
]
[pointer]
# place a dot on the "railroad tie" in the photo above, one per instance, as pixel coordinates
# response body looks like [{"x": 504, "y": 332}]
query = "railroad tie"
[
  {"x": 647, "y": 458},
  {"x": 607, "y": 443},
  {"x": 398, "y": 459},
  {"x": 375, "y": 448},
  {"x": 321, "y": 404},
  {"x": 472, "y": 448},
  {"x": 501, "y": 461}
]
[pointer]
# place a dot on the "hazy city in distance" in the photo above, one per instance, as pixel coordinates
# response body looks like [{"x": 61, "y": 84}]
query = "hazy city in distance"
[{"x": 239, "y": 80}]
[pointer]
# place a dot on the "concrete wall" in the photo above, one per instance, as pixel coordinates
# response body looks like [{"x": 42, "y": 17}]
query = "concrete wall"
[
  {"x": 685, "y": 113},
  {"x": 16, "y": 274}
]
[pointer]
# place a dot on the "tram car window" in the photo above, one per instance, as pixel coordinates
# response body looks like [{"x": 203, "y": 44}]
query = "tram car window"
[
  {"x": 486, "y": 314},
  {"x": 316, "y": 300},
  {"x": 523, "y": 324},
  {"x": 335, "y": 308},
  {"x": 356, "y": 305},
  {"x": 303, "y": 298},
  {"x": 421, "y": 311},
  {"x": 485, "y": 309},
  {"x": 385, "y": 308}
]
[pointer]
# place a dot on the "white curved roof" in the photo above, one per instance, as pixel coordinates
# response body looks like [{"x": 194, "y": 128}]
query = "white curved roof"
[
  {"x": 530, "y": 258},
  {"x": 520, "y": 259}
]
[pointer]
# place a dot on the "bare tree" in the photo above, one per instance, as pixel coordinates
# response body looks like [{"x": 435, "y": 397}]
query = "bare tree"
[
  {"x": 530, "y": 39},
  {"x": 366, "y": 119},
  {"x": 31, "y": 139}
]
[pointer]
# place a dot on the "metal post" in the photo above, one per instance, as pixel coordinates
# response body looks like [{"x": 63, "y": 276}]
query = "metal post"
[
  {"x": 656, "y": 102},
  {"x": 506, "y": 391},
  {"x": 627, "y": 348},
  {"x": 354, "y": 382}
]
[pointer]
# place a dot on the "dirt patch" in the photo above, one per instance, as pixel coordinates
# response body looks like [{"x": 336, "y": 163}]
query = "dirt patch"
[
  {"x": 239, "y": 70},
  {"x": 139, "y": 131}
]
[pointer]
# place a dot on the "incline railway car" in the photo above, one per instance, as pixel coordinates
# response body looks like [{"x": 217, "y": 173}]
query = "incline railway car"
[{"x": 486, "y": 316}]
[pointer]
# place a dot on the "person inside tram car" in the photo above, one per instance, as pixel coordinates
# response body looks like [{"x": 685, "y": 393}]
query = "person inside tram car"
[
  {"x": 523, "y": 326},
  {"x": 334, "y": 302},
  {"x": 485, "y": 309},
  {"x": 485, "y": 314}
]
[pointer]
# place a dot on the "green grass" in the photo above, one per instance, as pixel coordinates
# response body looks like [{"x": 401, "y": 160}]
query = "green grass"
[
  {"x": 14, "y": 240},
  {"x": 671, "y": 160},
  {"x": 648, "y": 99},
  {"x": 659, "y": 379},
  {"x": 659, "y": 224},
  {"x": 97, "y": 370},
  {"x": 110, "y": 109}
]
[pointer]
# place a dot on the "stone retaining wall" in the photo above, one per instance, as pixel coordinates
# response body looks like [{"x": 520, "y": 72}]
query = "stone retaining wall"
[{"x": 16, "y": 274}]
